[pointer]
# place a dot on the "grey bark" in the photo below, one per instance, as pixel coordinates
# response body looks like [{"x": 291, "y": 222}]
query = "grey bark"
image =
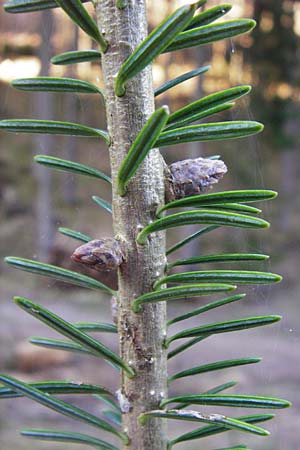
[{"x": 141, "y": 335}]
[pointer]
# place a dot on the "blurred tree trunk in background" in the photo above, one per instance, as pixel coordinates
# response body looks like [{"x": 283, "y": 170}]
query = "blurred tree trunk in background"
[
  {"x": 196, "y": 149},
  {"x": 70, "y": 143},
  {"x": 44, "y": 109},
  {"x": 289, "y": 179},
  {"x": 200, "y": 55},
  {"x": 275, "y": 59}
]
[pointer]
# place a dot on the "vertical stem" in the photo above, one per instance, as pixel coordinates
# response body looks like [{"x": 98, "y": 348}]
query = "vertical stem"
[{"x": 141, "y": 335}]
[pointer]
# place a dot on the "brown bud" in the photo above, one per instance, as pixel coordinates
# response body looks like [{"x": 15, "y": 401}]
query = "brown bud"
[
  {"x": 100, "y": 254},
  {"x": 192, "y": 176}
]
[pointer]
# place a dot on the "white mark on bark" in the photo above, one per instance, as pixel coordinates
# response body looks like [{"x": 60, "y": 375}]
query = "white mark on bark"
[{"x": 123, "y": 402}]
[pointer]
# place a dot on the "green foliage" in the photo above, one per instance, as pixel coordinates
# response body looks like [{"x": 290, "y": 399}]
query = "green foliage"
[
  {"x": 200, "y": 108},
  {"x": 238, "y": 207},
  {"x": 223, "y": 257},
  {"x": 196, "y": 216},
  {"x": 58, "y": 405},
  {"x": 205, "y": 331},
  {"x": 72, "y": 332},
  {"x": 220, "y": 365},
  {"x": 113, "y": 416},
  {"x": 239, "y": 447},
  {"x": 75, "y": 234},
  {"x": 208, "y": 132},
  {"x": 214, "y": 390},
  {"x": 20, "y": 6},
  {"x": 209, "y": 15},
  {"x": 70, "y": 166},
  {"x": 185, "y": 28},
  {"x": 207, "y": 307},
  {"x": 210, "y": 33},
  {"x": 76, "y": 57},
  {"x": 220, "y": 198},
  {"x": 242, "y": 401},
  {"x": 221, "y": 276},
  {"x": 216, "y": 429},
  {"x": 154, "y": 44},
  {"x": 191, "y": 238},
  {"x": 193, "y": 290},
  {"x": 58, "y": 273},
  {"x": 143, "y": 143},
  {"x": 51, "y": 127},
  {"x": 51, "y": 84},
  {"x": 96, "y": 327},
  {"x": 185, "y": 346},
  {"x": 105, "y": 205},
  {"x": 58, "y": 387},
  {"x": 186, "y": 76},
  {"x": 79, "y": 15},
  {"x": 59, "y": 344},
  {"x": 193, "y": 416},
  {"x": 109, "y": 401},
  {"x": 69, "y": 437}
]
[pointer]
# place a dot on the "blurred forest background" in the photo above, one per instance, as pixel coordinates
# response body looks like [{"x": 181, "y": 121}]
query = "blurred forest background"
[{"x": 35, "y": 201}]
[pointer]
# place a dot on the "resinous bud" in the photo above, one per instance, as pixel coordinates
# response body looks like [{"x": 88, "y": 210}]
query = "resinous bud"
[
  {"x": 100, "y": 254},
  {"x": 192, "y": 177}
]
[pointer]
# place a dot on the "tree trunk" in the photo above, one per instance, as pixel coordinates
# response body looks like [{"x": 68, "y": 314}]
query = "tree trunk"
[
  {"x": 195, "y": 150},
  {"x": 44, "y": 108},
  {"x": 141, "y": 335},
  {"x": 68, "y": 180},
  {"x": 288, "y": 183}
]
